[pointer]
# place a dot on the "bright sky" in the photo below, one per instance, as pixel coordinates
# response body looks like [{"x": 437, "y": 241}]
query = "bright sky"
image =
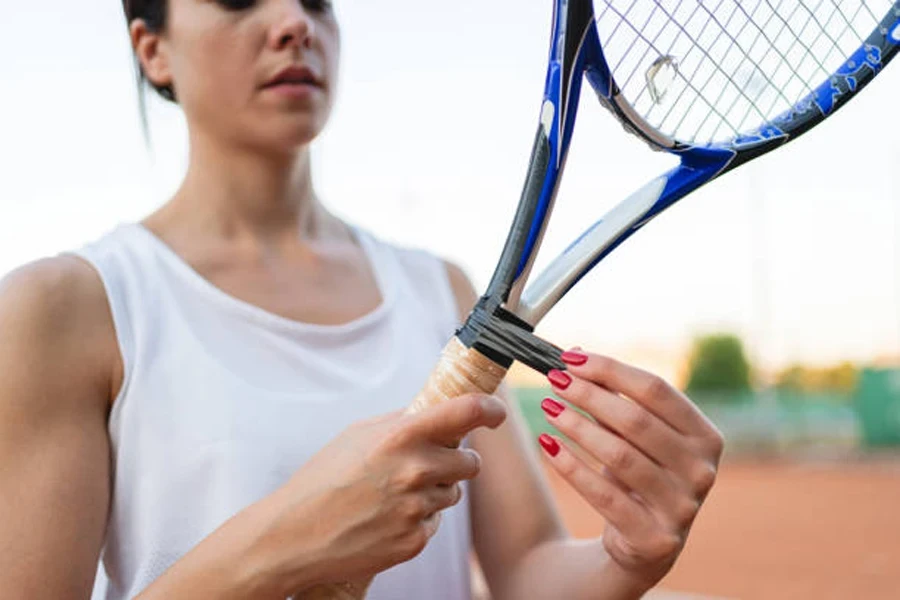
[{"x": 428, "y": 147}]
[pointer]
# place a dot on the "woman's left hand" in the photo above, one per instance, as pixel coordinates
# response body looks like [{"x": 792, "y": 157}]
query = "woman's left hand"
[{"x": 655, "y": 457}]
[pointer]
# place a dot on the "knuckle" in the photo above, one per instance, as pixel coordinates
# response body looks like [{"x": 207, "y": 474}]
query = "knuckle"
[
  {"x": 454, "y": 497},
  {"x": 604, "y": 498},
  {"x": 621, "y": 458},
  {"x": 629, "y": 551},
  {"x": 716, "y": 443},
  {"x": 567, "y": 467},
  {"x": 704, "y": 478},
  {"x": 655, "y": 387},
  {"x": 686, "y": 513},
  {"x": 636, "y": 422},
  {"x": 413, "y": 508},
  {"x": 666, "y": 545},
  {"x": 413, "y": 476}
]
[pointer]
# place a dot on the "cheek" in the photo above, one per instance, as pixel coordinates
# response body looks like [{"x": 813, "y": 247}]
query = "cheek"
[
  {"x": 217, "y": 67},
  {"x": 332, "y": 48}
]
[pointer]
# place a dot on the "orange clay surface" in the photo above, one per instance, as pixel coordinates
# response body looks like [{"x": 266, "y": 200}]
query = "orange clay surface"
[{"x": 779, "y": 530}]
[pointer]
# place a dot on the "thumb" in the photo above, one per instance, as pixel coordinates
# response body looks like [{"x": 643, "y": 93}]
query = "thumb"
[{"x": 449, "y": 422}]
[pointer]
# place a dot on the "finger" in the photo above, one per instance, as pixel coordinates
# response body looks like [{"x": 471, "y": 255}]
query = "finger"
[
  {"x": 444, "y": 496},
  {"x": 431, "y": 523},
  {"x": 453, "y": 466},
  {"x": 610, "y": 500},
  {"x": 629, "y": 420},
  {"x": 449, "y": 422},
  {"x": 650, "y": 391},
  {"x": 625, "y": 463}
]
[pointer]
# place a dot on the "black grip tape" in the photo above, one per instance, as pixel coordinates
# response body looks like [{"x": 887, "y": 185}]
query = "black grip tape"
[{"x": 503, "y": 337}]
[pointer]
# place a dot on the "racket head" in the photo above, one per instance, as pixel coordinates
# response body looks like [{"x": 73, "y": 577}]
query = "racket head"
[
  {"x": 736, "y": 74},
  {"x": 716, "y": 83}
]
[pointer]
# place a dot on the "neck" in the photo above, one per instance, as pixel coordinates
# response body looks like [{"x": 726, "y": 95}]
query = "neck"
[{"x": 240, "y": 192}]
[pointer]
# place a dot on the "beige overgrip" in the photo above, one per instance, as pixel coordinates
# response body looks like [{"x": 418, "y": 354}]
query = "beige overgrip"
[{"x": 459, "y": 371}]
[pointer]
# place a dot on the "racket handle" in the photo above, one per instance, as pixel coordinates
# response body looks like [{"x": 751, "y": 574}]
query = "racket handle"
[{"x": 459, "y": 371}]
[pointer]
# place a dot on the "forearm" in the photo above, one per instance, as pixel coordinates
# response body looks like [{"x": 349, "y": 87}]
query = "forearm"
[
  {"x": 238, "y": 561},
  {"x": 572, "y": 569}
]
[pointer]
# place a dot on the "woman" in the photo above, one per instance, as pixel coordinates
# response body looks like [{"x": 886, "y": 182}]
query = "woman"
[{"x": 243, "y": 356}]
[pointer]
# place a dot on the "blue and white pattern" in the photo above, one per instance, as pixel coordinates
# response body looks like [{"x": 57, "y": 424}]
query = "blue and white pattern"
[{"x": 717, "y": 84}]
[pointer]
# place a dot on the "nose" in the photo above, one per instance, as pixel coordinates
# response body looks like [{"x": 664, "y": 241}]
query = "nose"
[{"x": 293, "y": 27}]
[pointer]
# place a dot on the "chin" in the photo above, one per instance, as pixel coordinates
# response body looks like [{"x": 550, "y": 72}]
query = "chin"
[{"x": 288, "y": 136}]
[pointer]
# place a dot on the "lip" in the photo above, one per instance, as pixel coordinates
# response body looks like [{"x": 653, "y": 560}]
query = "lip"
[
  {"x": 295, "y": 76},
  {"x": 294, "y": 91}
]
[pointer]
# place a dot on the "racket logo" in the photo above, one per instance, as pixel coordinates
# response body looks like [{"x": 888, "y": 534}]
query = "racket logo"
[
  {"x": 765, "y": 133},
  {"x": 548, "y": 114},
  {"x": 845, "y": 80},
  {"x": 894, "y": 35}
]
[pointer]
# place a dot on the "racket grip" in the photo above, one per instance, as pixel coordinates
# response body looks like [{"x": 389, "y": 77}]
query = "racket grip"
[{"x": 459, "y": 371}]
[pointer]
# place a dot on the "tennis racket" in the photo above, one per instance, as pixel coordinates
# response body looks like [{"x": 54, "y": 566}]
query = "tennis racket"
[{"x": 717, "y": 83}]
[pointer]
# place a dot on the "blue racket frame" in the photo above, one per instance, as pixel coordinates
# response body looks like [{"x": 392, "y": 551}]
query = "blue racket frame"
[{"x": 576, "y": 55}]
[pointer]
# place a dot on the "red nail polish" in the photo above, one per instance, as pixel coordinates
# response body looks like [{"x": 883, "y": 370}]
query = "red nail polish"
[
  {"x": 574, "y": 358},
  {"x": 550, "y": 445},
  {"x": 552, "y": 407},
  {"x": 559, "y": 379}
]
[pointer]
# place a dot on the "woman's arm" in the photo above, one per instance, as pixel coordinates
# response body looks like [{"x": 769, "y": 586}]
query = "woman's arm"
[
  {"x": 513, "y": 512},
  {"x": 59, "y": 368},
  {"x": 660, "y": 456},
  {"x": 55, "y": 375}
]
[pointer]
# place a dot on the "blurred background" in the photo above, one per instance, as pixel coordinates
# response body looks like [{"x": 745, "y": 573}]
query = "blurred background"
[{"x": 771, "y": 296}]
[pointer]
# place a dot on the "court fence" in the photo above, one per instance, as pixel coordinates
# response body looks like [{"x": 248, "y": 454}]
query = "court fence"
[{"x": 773, "y": 422}]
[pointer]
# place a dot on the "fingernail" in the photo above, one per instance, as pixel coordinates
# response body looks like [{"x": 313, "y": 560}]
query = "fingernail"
[
  {"x": 574, "y": 358},
  {"x": 550, "y": 445},
  {"x": 552, "y": 407},
  {"x": 559, "y": 379}
]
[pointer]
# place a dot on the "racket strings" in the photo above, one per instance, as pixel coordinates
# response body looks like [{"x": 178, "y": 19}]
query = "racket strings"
[
  {"x": 794, "y": 72},
  {"x": 702, "y": 71}
]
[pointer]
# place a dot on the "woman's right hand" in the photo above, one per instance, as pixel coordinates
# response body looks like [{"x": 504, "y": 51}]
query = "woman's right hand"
[{"x": 369, "y": 499}]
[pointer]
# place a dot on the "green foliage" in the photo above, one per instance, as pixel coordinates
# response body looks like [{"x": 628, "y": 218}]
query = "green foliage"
[
  {"x": 718, "y": 364},
  {"x": 840, "y": 378}
]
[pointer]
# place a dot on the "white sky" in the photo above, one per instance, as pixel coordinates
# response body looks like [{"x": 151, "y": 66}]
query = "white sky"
[{"x": 428, "y": 146}]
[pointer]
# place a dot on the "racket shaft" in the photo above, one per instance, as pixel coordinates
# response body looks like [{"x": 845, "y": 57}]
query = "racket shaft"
[
  {"x": 600, "y": 239},
  {"x": 459, "y": 371}
]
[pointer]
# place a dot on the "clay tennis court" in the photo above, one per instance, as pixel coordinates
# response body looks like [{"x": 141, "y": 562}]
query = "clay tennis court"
[{"x": 779, "y": 530}]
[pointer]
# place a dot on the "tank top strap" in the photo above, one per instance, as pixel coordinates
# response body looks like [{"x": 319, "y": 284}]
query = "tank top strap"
[
  {"x": 420, "y": 276},
  {"x": 120, "y": 266}
]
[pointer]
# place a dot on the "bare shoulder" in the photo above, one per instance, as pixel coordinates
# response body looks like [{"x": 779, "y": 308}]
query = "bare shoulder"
[
  {"x": 52, "y": 296},
  {"x": 463, "y": 290},
  {"x": 54, "y": 445},
  {"x": 54, "y": 312}
]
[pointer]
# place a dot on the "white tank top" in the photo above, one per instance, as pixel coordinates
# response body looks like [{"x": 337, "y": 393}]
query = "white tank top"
[{"x": 223, "y": 401}]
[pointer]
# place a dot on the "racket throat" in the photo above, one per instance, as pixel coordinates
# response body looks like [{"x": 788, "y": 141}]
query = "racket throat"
[{"x": 503, "y": 337}]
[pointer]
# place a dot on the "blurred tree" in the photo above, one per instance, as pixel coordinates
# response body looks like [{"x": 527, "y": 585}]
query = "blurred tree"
[
  {"x": 841, "y": 377},
  {"x": 718, "y": 363}
]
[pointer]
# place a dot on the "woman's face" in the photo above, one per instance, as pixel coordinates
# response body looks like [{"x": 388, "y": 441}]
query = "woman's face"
[{"x": 259, "y": 73}]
